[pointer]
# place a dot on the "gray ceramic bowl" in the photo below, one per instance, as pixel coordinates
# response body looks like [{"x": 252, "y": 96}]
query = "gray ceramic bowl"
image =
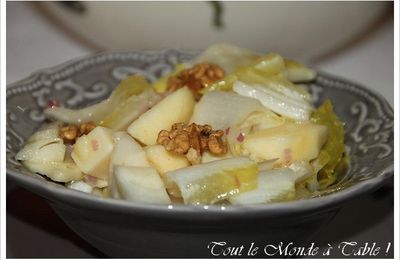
[{"x": 119, "y": 228}]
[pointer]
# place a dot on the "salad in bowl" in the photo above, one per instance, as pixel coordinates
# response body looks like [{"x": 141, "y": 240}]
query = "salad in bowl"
[{"x": 230, "y": 126}]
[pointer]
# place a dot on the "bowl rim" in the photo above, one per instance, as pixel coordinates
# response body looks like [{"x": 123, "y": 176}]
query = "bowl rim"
[{"x": 58, "y": 193}]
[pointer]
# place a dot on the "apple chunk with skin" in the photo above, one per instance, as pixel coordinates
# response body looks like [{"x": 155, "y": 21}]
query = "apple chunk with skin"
[
  {"x": 288, "y": 142},
  {"x": 92, "y": 152},
  {"x": 140, "y": 184},
  {"x": 175, "y": 108},
  {"x": 165, "y": 161}
]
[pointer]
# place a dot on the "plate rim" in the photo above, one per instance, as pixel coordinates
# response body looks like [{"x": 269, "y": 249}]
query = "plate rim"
[{"x": 62, "y": 194}]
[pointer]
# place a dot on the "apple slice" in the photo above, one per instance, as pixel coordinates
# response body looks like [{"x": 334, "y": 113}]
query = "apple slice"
[
  {"x": 92, "y": 152},
  {"x": 140, "y": 184},
  {"x": 212, "y": 182},
  {"x": 273, "y": 185},
  {"x": 288, "y": 142},
  {"x": 163, "y": 160},
  {"x": 175, "y": 108}
]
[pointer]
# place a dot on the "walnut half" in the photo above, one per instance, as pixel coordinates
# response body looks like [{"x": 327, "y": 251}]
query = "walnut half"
[
  {"x": 196, "y": 78},
  {"x": 192, "y": 140},
  {"x": 69, "y": 133}
]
